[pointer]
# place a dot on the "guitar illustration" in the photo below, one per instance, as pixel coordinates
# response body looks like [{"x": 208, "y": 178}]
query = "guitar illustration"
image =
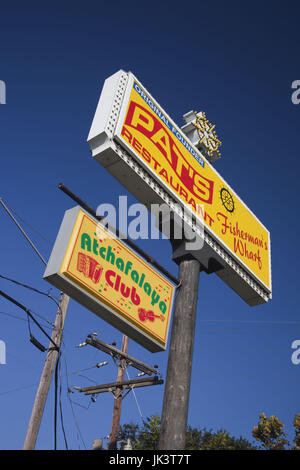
[{"x": 148, "y": 315}]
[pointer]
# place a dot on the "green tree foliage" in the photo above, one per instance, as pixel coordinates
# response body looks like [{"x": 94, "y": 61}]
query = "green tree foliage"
[
  {"x": 270, "y": 433},
  {"x": 146, "y": 437},
  {"x": 202, "y": 439},
  {"x": 149, "y": 434},
  {"x": 221, "y": 440},
  {"x": 297, "y": 432},
  {"x": 128, "y": 431}
]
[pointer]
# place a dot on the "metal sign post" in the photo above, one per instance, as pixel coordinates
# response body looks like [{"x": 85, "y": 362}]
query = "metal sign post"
[{"x": 177, "y": 388}]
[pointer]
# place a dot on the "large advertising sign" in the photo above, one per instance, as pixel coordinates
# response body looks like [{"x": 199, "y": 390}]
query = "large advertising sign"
[
  {"x": 100, "y": 271},
  {"x": 234, "y": 235}
]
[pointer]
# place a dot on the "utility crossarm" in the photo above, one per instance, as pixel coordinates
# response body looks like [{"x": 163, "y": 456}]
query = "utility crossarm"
[
  {"x": 116, "y": 353},
  {"x": 127, "y": 384}
]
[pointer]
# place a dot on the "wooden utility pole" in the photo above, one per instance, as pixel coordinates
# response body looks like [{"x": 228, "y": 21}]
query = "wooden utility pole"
[
  {"x": 177, "y": 388},
  {"x": 46, "y": 377},
  {"x": 113, "y": 437}
]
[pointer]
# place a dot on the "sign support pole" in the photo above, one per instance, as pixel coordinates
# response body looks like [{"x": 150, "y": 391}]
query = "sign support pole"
[
  {"x": 177, "y": 388},
  {"x": 47, "y": 373}
]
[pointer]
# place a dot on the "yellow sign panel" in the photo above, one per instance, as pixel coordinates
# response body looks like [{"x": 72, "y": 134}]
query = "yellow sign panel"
[
  {"x": 108, "y": 270},
  {"x": 150, "y": 134}
]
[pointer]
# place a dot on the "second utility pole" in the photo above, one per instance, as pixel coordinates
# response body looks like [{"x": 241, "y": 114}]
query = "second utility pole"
[{"x": 113, "y": 437}]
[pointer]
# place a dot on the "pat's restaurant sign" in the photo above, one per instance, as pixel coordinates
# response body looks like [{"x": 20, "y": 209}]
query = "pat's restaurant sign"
[
  {"x": 93, "y": 266},
  {"x": 135, "y": 139}
]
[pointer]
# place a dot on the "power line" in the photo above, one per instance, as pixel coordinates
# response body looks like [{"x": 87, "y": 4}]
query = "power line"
[
  {"x": 57, "y": 379},
  {"x": 55, "y": 399},
  {"x": 34, "y": 289},
  {"x": 79, "y": 434},
  {"x": 35, "y": 420},
  {"x": 134, "y": 394},
  {"x": 49, "y": 366},
  {"x": 19, "y": 389},
  {"x": 25, "y": 319},
  {"x": 251, "y": 321},
  {"x": 60, "y": 407},
  {"x": 13, "y": 316},
  {"x": 246, "y": 332},
  {"x": 31, "y": 227},
  {"x": 85, "y": 377},
  {"x": 29, "y": 314},
  {"x": 22, "y": 231}
]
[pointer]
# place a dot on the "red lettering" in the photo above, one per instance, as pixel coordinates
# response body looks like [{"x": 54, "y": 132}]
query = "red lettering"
[
  {"x": 183, "y": 193},
  {"x": 241, "y": 247},
  {"x": 152, "y": 128},
  {"x": 137, "y": 145},
  {"x": 121, "y": 287},
  {"x": 127, "y": 134},
  {"x": 135, "y": 297},
  {"x": 164, "y": 174},
  {"x": 146, "y": 155},
  {"x": 109, "y": 273}
]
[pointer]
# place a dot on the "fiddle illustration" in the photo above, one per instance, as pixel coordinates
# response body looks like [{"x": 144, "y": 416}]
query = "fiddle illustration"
[{"x": 148, "y": 315}]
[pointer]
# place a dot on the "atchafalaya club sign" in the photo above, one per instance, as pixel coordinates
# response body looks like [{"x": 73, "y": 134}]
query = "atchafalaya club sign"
[{"x": 101, "y": 272}]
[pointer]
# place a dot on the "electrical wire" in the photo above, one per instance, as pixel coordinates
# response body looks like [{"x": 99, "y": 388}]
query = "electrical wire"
[
  {"x": 136, "y": 400},
  {"x": 29, "y": 314},
  {"x": 13, "y": 316},
  {"x": 55, "y": 401},
  {"x": 57, "y": 379},
  {"x": 25, "y": 319},
  {"x": 19, "y": 389},
  {"x": 252, "y": 321},
  {"x": 22, "y": 231},
  {"x": 87, "y": 378},
  {"x": 34, "y": 290},
  {"x": 31, "y": 226},
  {"x": 60, "y": 405},
  {"x": 79, "y": 434},
  {"x": 30, "y": 288}
]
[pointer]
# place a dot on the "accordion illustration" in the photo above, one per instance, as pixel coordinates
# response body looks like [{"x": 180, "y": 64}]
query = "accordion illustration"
[{"x": 89, "y": 267}]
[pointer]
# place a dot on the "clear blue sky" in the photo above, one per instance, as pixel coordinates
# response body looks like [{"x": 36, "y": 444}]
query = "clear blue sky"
[{"x": 236, "y": 61}]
